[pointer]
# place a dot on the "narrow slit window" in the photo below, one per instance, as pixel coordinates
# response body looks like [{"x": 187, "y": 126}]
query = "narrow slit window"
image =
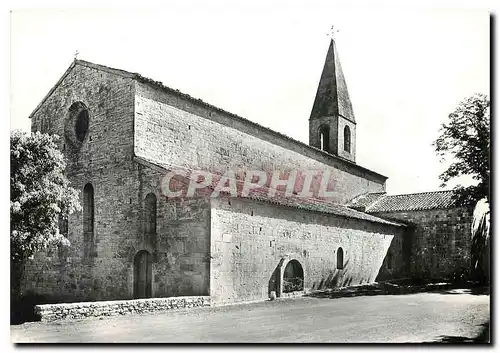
[
  {"x": 88, "y": 219},
  {"x": 324, "y": 138},
  {"x": 340, "y": 259},
  {"x": 347, "y": 139},
  {"x": 150, "y": 214}
]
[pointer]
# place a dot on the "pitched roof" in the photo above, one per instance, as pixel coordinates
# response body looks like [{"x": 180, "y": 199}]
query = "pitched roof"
[
  {"x": 332, "y": 97},
  {"x": 317, "y": 205},
  {"x": 262, "y": 194},
  {"x": 160, "y": 85},
  {"x": 380, "y": 202}
]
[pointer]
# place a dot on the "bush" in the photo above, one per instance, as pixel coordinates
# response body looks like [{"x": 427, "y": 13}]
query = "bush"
[
  {"x": 461, "y": 275},
  {"x": 293, "y": 284}
]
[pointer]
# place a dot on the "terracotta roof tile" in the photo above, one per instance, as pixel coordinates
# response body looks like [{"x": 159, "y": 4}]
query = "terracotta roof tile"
[
  {"x": 318, "y": 205},
  {"x": 361, "y": 202},
  {"x": 406, "y": 202},
  {"x": 261, "y": 194}
]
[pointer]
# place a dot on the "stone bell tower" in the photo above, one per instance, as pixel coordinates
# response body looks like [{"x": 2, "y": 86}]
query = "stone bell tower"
[{"x": 332, "y": 127}]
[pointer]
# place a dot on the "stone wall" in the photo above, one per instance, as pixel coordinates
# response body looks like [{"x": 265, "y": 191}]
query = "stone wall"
[
  {"x": 175, "y": 131},
  {"x": 182, "y": 250},
  {"x": 250, "y": 239},
  {"x": 342, "y": 123},
  {"x": 104, "y": 159},
  {"x": 440, "y": 241},
  {"x": 52, "y": 312},
  {"x": 129, "y": 118}
]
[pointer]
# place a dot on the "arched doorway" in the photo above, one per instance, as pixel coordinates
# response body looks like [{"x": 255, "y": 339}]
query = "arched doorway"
[
  {"x": 293, "y": 277},
  {"x": 142, "y": 275}
]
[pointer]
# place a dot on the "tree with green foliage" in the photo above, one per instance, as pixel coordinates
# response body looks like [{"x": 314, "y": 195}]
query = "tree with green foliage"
[
  {"x": 465, "y": 140},
  {"x": 40, "y": 196}
]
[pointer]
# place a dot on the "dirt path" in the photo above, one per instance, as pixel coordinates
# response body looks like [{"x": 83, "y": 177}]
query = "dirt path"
[{"x": 426, "y": 317}]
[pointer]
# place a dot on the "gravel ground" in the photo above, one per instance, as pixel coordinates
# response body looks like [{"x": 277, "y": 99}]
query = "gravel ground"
[{"x": 448, "y": 316}]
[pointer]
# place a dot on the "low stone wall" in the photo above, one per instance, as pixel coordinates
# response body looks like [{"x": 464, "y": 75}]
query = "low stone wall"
[{"x": 51, "y": 312}]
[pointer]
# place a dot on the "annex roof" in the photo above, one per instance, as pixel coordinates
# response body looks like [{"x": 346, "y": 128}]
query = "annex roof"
[{"x": 381, "y": 202}]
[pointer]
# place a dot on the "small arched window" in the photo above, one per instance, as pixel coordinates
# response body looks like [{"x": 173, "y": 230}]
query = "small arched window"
[
  {"x": 340, "y": 259},
  {"x": 88, "y": 219},
  {"x": 347, "y": 139},
  {"x": 324, "y": 138},
  {"x": 150, "y": 214}
]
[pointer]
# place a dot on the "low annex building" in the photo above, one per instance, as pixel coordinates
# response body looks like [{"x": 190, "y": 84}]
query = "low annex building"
[
  {"x": 123, "y": 132},
  {"x": 438, "y": 233}
]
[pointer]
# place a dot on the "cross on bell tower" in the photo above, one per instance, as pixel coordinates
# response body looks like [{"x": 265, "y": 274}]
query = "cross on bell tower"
[
  {"x": 333, "y": 31},
  {"x": 332, "y": 126}
]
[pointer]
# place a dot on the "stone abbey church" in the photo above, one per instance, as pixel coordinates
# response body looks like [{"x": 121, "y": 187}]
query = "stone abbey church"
[{"x": 123, "y": 132}]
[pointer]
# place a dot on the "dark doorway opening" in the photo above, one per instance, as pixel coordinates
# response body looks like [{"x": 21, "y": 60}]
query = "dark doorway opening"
[
  {"x": 142, "y": 275},
  {"x": 293, "y": 277}
]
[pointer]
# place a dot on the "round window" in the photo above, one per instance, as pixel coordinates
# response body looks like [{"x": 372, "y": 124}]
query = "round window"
[
  {"x": 82, "y": 124},
  {"x": 76, "y": 125}
]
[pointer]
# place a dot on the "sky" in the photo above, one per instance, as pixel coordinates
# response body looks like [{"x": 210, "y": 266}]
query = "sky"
[{"x": 406, "y": 68}]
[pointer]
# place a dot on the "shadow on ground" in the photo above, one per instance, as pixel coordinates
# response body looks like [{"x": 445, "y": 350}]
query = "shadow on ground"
[
  {"x": 409, "y": 287},
  {"x": 23, "y": 309},
  {"x": 400, "y": 288},
  {"x": 483, "y": 337}
]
